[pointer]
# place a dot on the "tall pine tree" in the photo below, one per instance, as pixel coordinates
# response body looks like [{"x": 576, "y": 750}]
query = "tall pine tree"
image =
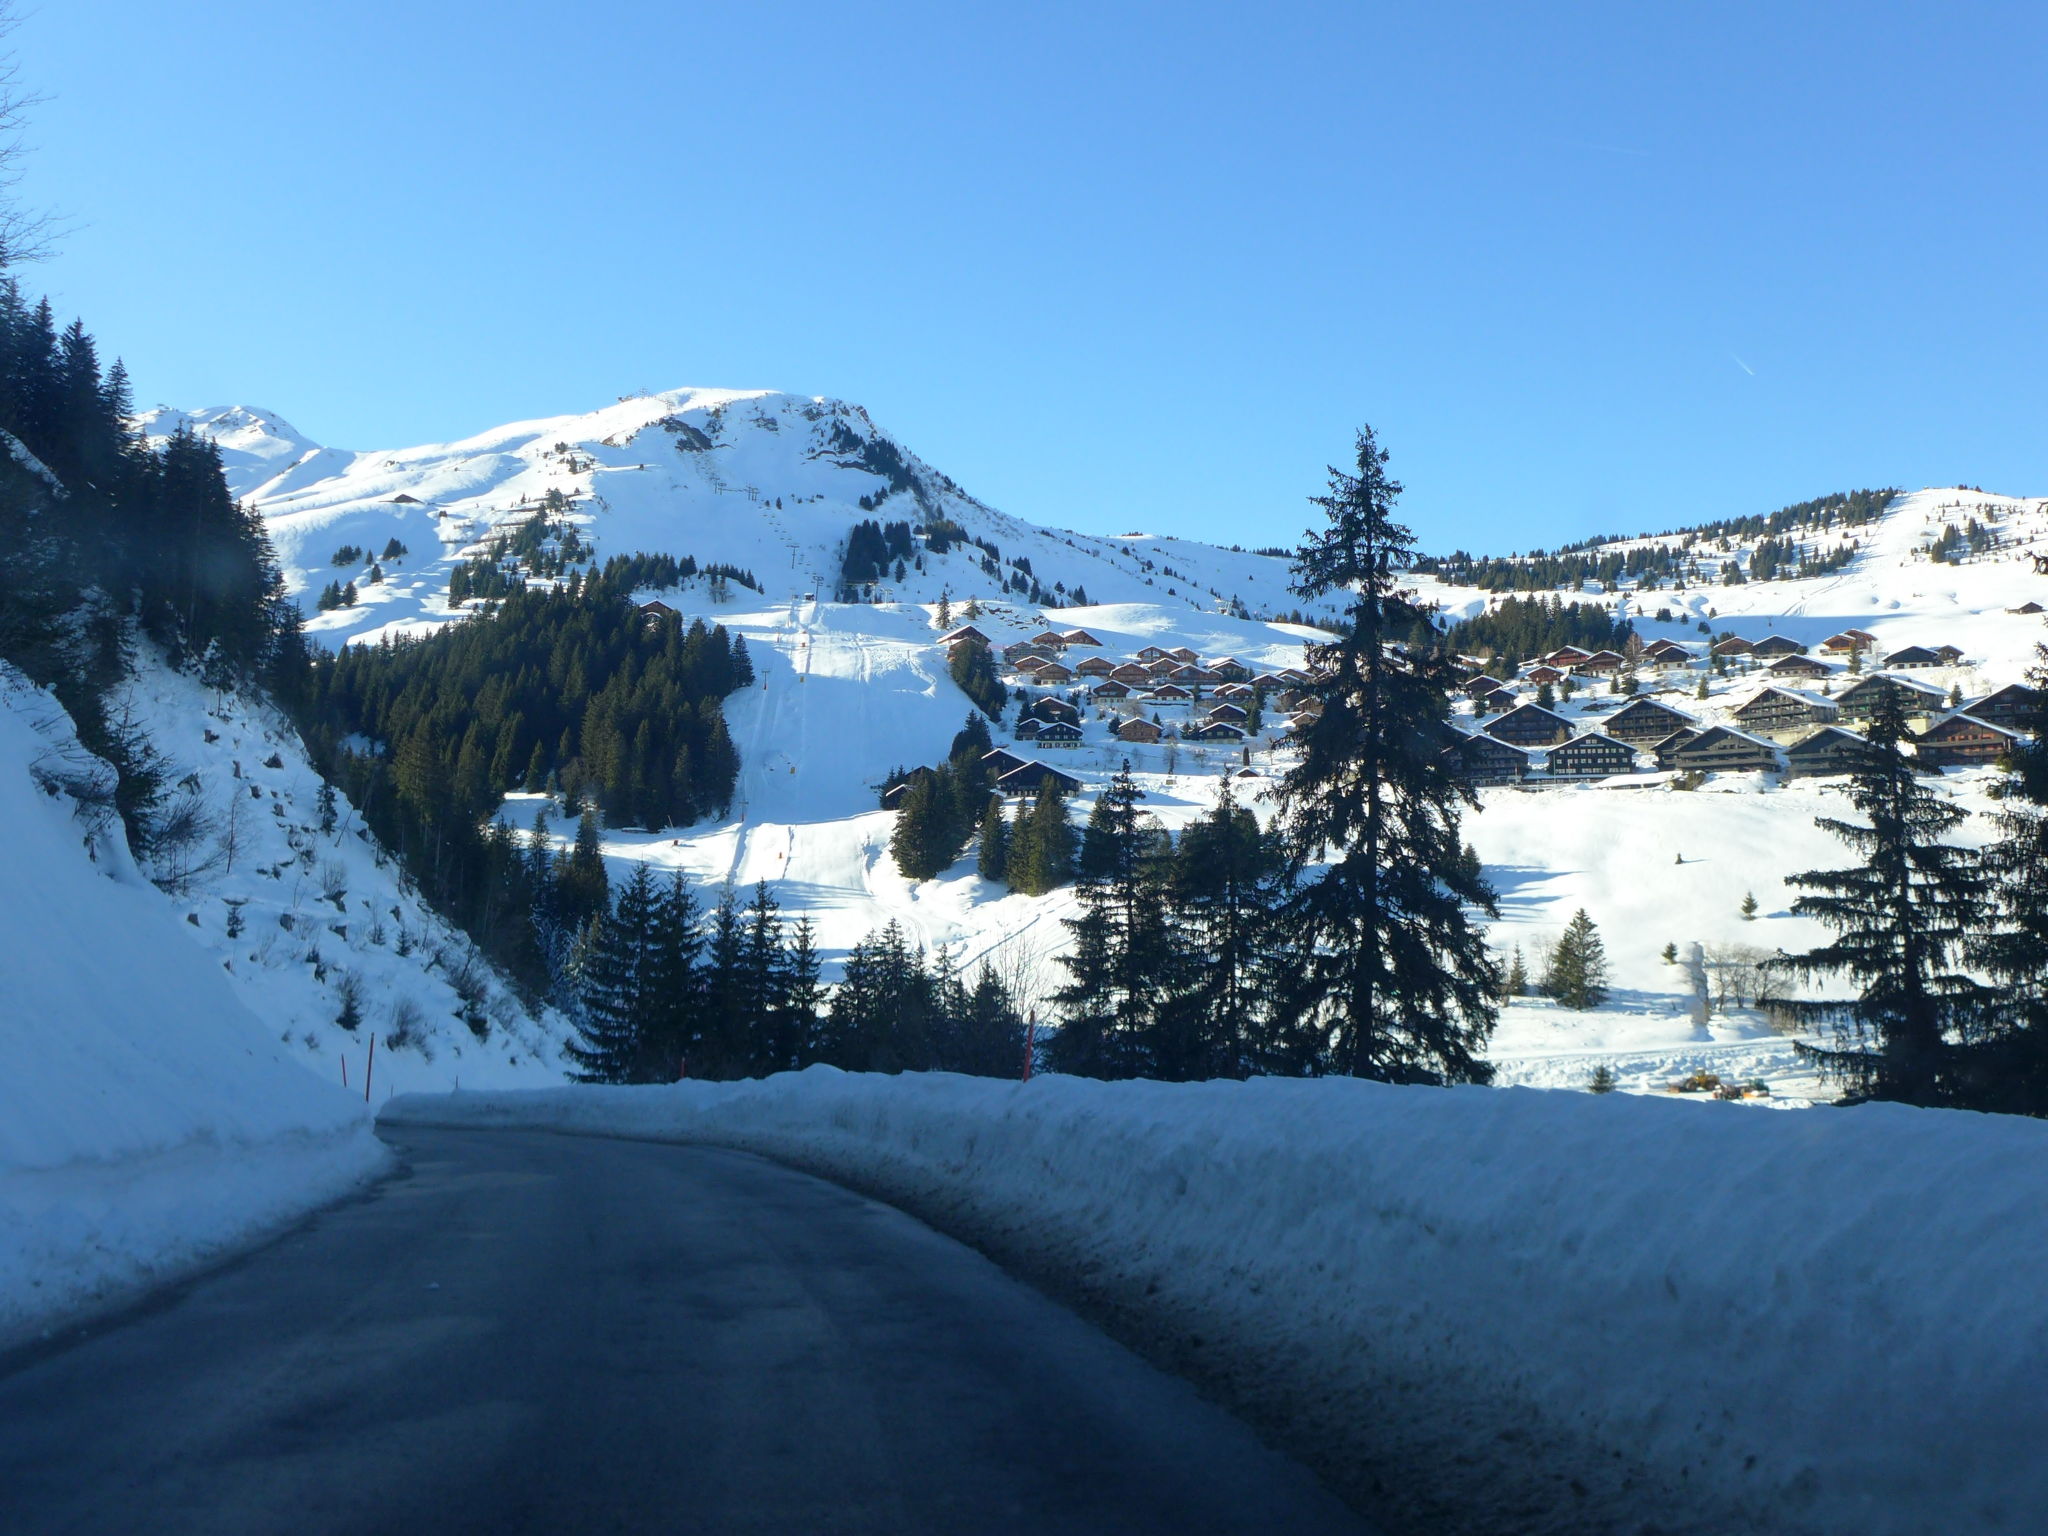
[{"x": 1391, "y": 978}]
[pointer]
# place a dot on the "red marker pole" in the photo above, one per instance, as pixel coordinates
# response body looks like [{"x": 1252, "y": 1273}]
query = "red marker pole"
[
  {"x": 1030, "y": 1043},
  {"x": 368, "y": 1065}
]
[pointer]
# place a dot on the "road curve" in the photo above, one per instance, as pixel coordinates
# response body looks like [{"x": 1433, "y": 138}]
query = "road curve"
[{"x": 530, "y": 1332}]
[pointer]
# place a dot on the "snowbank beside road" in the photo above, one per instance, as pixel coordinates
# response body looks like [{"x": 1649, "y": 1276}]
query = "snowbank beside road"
[
  {"x": 1488, "y": 1310},
  {"x": 147, "y": 1120}
]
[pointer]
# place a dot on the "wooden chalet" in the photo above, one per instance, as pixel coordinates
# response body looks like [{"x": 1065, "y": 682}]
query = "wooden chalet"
[
  {"x": 1734, "y": 645},
  {"x": 1951, "y": 655},
  {"x": 657, "y": 612},
  {"x": 1847, "y": 643},
  {"x": 1050, "y": 709},
  {"x": 1644, "y": 722},
  {"x": 1110, "y": 688},
  {"x": 1165, "y": 666},
  {"x": 2015, "y": 707},
  {"x": 1000, "y": 762},
  {"x": 1229, "y": 669},
  {"x": 1481, "y": 761},
  {"x": 1827, "y": 750},
  {"x": 1029, "y": 777},
  {"x": 1191, "y": 677},
  {"x": 1239, "y": 691},
  {"x": 1666, "y": 750},
  {"x": 1772, "y": 646},
  {"x": 1602, "y": 662},
  {"x": 1214, "y": 730},
  {"x": 1183, "y": 655},
  {"x": 1030, "y": 662},
  {"x": 1298, "y": 723},
  {"x": 1049, "y": 640},
  {"x": 1914, "y": 656},
  {"x": 1482, "y": 685},
  {"x": 1721, "y": 750},
  {"x": 1591, "y": 756},
  {"x": 1778, "y": 711},
  {"x": 1171, "y": 693},
  {"x": 1269, "y": 680},
  {"x": 1291, "y": 699},
  {"x": 1138, "y": 728},
  {"x": 1665, "y": 653},
  {"x": 1545, "y": 673},
  {"x": 1080, "y": 637},
  {"x": 1131, "y": 675},
  {"x": 1094, "y": 666},
  {"x": 1566, "y": 656},
  {"x": 964, "y": 632},
  {"x": 1018, "y": 649},
  {"x": 1060, "y": 733},
  {"x": 1799, "y": 666},
  {"x": 1529, "y": 725},
  {"x": 1054, "y": 672},
  {"x": 1152, "y": 653},
  {"x": 2029, "y": 606},
  {"x": 1229, "y": 713},
  {"x": 1859, "y": 700},
  {"x": 1296, "y": 676},
  {"x": 1029, "y": 727},
  {"x": 1962, "y": 741}
]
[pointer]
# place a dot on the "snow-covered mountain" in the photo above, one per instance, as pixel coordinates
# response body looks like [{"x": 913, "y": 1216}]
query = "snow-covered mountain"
[{"x": 765, "y": 482}]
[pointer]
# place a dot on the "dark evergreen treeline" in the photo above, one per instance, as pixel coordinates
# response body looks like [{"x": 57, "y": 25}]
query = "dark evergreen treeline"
[
  {"x": 116, "y": 533},
  {"x": 1517, "y": 628}
]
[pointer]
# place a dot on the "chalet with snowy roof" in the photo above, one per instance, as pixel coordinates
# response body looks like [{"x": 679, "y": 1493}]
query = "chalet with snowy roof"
[
  {"x": 1666, "y": 653},
  {"x": 657, "y": 611},
  {"x": 1914, "y": 656},
  {"x": 1171, "y": 693},
  {"x": 1798, "y": 666},
  {"x": 1566, "y": 656},
  {"x": 1602, "y": 662},
  {"x": 1847, "y": 643},
  {"x": 1644, "y": 722},
  {"x": 1050, "y": 709},
  {"x": 1050, "y": 640},
  {"x": 1721, "y": 750},
  {"x": 1059, "y": 734},
  {"x": 1131, "y": 675},
  {"x": 1296, "y": 676},
  {"x": 1666, "y": 750},
  {"x": 2015, "y": 707},
  {"x": 1229, "y": 669},
  {"x": 1138, "y": 728},
  {"x": 1529, "y": 725},
  {"x": 1230, "y": 714},
  {"x": 1297, "y": 723},
  {"x": 1591, "y": 756},
  {"x": 1545, "y": 673},
  {"x": 1152, "y": 653},
  {"x": 1094, "y": 666},
  {"x": 1053, "y": 672},
  {"x": 1950, "y": 655},
  {"x": 1961, "y": 741},
  {"x": 1030, "y": 662},
  {"x": 1243, "y": 692},
  {"x": 1269, "y": 680},
  {"x": 1016, "y": 650},
  {"x": 1080, "y": 637},
  {"x": 1858, "y": 701},
  {"x": 1772, "y": 646},
  {"x": 1778, "y": 711},
  {"x": 1825, "y": 751},
  {"x": 1029, "y": 777},
  {"x": 1734, "y": 645},
  {"x": 1110, "y": 688},
  {"x": 1483, "y": 761},
  {"x": 1291, "y": 699},
  {"x": 1165, "y": 666},
  {"x": 1214, "y": 730},
  {"x": 1191, "y": 676},
  {"x": 1000, "y": 762},
  {"x": 1482, "y": 685},
  {"x": 1183, "y": 655},
  {"x": 1028, "y": 728},
  {"x": 964, "y": 632}
]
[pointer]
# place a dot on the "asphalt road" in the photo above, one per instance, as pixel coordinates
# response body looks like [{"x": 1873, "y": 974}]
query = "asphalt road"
[{"x": 545, "y": 1333}]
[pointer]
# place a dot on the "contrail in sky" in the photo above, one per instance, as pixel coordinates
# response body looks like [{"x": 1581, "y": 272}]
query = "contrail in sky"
[{"x": 1743, "y": 366}]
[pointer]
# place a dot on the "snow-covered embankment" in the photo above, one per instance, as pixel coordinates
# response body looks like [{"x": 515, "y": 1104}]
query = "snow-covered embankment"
[
  {"x": 148, "y": 1121},
  {"x": 1488, "y": 1310}
]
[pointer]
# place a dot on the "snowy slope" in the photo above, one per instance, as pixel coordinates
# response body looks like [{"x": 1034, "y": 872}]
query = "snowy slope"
[
  {"x": 147, "y": 1117},
  {"x": 1491, "y": 1313},
  {"x": 767, "y": 482}
]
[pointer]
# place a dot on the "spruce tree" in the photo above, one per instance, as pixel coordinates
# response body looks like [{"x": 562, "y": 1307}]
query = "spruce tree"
[
  {"x": 1120, "y": 968},
  {"x": 1389, "y": 974},
  {"x": 1041, "y": 855},
  {"x": 619, "y": 976},
  {"x": 1577, "y": 973},
  {"x": 678, "y": 982},
  {"x": 1903, "y": 919},
  {"x": 995, "y": 841},
  {"x": 1517, "y": 984},
  {"x": 1749, "y": 907},
  {"x": 1218, "y": 1021}
]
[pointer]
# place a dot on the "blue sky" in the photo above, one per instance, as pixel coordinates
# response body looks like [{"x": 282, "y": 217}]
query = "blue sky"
[{"x": 1112, "y": 266}]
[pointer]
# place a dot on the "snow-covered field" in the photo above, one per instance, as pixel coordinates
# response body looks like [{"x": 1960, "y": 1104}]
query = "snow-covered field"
[
  {"x": 148, "y": 1117},
  {"x": 1492, "y": 1311}
]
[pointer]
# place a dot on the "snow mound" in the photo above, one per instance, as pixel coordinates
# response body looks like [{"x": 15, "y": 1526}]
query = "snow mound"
[
  {"x": 1602, "y": 1311},
  {"x": 147, "y": 1119}
]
